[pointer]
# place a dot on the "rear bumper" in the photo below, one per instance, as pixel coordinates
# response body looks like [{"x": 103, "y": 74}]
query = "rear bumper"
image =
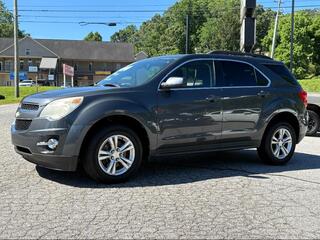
[{"x": 303, "y": 125}]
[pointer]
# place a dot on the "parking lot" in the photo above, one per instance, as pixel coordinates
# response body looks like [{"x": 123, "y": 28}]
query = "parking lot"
[{"x": 219, "y": 195}]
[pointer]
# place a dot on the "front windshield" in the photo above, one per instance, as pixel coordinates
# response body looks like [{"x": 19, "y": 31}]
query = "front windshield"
[{"x": 137, "y": 73}]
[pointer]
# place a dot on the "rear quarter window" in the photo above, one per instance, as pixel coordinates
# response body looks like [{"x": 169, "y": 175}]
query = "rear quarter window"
[{"x": 283, "y": 72}]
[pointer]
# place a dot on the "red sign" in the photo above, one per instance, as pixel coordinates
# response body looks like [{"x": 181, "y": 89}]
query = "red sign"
[{"x": 68, "y": 70}]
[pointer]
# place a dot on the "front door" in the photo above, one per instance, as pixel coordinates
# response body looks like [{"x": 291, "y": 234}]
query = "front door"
[{"x": 190, "y": 116}]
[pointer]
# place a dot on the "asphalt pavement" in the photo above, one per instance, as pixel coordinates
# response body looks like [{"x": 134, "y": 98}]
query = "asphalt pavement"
[{"x": 219, "y": 195}]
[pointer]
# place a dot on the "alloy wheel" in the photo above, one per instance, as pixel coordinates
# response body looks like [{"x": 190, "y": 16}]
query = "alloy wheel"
[
  {"x": 281, "y": 143},
  {"x": 116, "y": 155}
]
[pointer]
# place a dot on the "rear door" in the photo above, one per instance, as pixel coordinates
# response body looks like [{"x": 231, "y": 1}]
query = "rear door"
[
  {"x": 190, "y": 116},
  {"x": 244, "y": 92}
]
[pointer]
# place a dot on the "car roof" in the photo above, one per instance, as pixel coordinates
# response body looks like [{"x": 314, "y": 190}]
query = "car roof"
[{"x": 250, "y": 58}]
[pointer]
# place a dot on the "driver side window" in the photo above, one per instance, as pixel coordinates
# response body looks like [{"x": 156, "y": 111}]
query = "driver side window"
[{"x": 197, "y": 74}]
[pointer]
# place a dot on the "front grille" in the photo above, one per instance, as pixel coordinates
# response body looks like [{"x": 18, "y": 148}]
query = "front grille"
[
  {"x": 22, "y": 124},
  {"x": 28, "y": 106}
]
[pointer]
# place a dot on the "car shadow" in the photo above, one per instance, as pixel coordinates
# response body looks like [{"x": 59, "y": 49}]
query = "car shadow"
[{"x": 194, "y": 168}]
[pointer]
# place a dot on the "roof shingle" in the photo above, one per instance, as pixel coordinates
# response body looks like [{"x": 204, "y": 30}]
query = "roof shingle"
[{"x": 83, "y": 50}]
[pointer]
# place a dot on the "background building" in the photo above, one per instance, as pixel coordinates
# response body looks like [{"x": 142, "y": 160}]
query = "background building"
[{"x": 92, "y": 61}]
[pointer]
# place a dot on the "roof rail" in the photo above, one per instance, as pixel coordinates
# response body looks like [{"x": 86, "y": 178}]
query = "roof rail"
[{"x": 239, "y": 54}]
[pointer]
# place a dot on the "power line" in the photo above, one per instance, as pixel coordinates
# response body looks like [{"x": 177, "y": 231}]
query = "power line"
[
  {"x": 89, "y": 11},
  {"x": 138, "y": 10},
  {"x": 83, "y": 17},
  {"x": 72, "y": 22}
]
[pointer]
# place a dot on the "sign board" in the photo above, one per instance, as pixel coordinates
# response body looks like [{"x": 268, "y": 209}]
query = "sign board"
[
  {"x": 22, "y": 76},
  {"x": 51, "y": 77},
  {"x": 247, "y": 8},
  {"x": 68, "y": 70},
  {"x": 33, "y": 69}
]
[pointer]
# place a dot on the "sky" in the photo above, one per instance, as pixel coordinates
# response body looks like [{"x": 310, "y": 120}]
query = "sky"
[{"x": 63, "y": 24}]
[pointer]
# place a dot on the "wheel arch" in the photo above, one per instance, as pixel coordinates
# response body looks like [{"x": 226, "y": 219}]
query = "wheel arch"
[
  {"x": 314, "y": 107},
  {"x": 284, "y": 116},
  {"x": 120, "y": 119}
]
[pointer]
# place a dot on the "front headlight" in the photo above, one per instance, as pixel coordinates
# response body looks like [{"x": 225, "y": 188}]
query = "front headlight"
[{"x": 60, "y": 108}]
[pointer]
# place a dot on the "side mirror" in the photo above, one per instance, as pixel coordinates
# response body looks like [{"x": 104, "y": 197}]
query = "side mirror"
[{"x": 172, "y": 82}]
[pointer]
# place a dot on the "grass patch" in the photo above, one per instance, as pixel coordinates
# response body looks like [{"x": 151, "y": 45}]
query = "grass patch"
[
  {"x": 311, "y": 85},
  {"x": 8, "y": 92}
]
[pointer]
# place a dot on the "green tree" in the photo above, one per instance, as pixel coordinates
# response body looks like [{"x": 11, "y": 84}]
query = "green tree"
[
  {"x": 264, "y": 22},
  {"x": 93, "y": 37},
  {"x": 6, "y": 23},
  {"x": 221, "y": 31},
  {"x": 125, "y": 35},
  {"x": 306, "y": 42}
]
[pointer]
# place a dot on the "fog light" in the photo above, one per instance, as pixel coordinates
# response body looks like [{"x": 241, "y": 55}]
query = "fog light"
[{"x": 52, "y": 143}]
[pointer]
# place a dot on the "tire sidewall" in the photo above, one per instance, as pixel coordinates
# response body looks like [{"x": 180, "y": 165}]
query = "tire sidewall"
[
  {"x": 91, "y": 158},
  {"x": 316, "y": 117},
  {"x": 270, "y": 158}
]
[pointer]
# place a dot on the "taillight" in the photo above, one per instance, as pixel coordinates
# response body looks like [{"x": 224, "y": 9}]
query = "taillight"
[{"x": 304, "y": 97}]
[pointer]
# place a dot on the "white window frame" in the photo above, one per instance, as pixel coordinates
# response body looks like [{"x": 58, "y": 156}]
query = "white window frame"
[{"x": 8, "y": 63}]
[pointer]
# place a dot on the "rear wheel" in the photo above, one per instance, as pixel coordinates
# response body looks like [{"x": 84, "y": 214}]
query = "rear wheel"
[
  {"x": 313, "y": 124},
  {"x": 113, "y": 154},
  {"x": 278, "y": 144}
]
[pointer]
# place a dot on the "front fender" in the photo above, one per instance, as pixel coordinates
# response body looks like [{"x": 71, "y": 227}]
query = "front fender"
[{"x": 97, "y": 110}]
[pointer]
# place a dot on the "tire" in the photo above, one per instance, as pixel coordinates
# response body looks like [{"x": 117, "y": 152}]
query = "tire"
[
  {"x": 104, "y": 163},
  {"x": 268, "y": 148},
  {"x": 314, "y": 123}
]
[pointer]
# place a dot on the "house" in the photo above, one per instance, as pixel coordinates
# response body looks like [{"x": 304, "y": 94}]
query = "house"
[
  {"x": 140, "y": 56},
  {"x": 92, "y": 61}
]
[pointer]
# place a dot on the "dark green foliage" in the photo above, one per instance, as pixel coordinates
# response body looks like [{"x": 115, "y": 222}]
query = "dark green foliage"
[
  {"x": 6, "y": 23},
  {"x": 215, "y": 25},
  {"x": 93, "y": 37}
]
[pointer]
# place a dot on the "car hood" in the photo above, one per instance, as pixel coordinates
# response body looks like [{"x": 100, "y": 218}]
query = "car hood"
[{"x": 43, "y": 98}]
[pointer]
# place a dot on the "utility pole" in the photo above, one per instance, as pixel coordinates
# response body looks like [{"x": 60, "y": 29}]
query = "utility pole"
[
  {"x": 16, "y": 55},
  {"x": 248, "y": 25},
  {"x": 187, "y": 34},
  {"x": 188, "y": 28},
  {"x": 292, "y": 36},
  {"x": 275, "y": 30}
]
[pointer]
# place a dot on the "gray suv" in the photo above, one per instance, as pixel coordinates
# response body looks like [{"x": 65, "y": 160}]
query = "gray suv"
[{"x": 164, "y": 106}]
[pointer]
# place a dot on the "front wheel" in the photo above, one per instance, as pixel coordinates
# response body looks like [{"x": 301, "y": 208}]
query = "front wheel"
[
  {"x": 113, "y": 154},
  {"x": 278, "y": 144}
]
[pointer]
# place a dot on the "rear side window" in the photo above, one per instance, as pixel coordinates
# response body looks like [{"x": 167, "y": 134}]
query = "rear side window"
[
  {"x": 261, "y": 80},
  {"x": 231, "y": 73},
  {"x": 282, "y": 72}
]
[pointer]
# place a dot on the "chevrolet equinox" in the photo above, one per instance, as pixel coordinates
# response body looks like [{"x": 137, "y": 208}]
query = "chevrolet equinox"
[{"x": 161, "y": 106}]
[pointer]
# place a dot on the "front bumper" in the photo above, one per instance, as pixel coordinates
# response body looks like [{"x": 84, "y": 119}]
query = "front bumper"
[
  {"x": 26, "y": 143},
  {"x": 60, "y": 163}
]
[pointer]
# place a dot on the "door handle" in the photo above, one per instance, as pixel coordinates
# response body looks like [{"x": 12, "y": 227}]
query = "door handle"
[{"x": 263, "y": 94}]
